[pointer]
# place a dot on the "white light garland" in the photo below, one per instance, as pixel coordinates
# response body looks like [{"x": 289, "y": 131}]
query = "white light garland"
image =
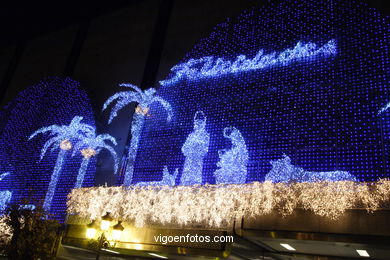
[
  {"x": 217, "y": 206},
  {"x": 5, "y": 232}
]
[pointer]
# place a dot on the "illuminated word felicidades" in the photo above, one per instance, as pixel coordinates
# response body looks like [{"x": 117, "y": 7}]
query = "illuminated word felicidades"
[
  {"x": 383, "y": 109},
  {"x": 210, "y": 66},
  {"x": 3, "y": 175}
]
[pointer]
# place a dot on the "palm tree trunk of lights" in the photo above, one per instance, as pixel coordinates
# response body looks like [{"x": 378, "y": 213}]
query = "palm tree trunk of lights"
[
  {"x": 54, "y": 179},
  {"x": 136, "y": 128},
  {"x": 82, "y": 171}
]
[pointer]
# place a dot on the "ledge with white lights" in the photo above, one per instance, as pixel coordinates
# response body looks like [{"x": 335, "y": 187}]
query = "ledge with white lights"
[{"x": 218, "y": 206}]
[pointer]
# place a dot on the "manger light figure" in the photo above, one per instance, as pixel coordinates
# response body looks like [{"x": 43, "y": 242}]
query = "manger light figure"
[
  {"x": 144, "y": 99},
  {"x": 91, "y": 146},
  {"x": 283, "y": 171},
  {"x": 61, "y": 136},
  {"x": 195, "y": 149},
  {"x": 232, "y": 162},
  {"x": 5, "y": 196},
  {"x": 167, "y": 179}
]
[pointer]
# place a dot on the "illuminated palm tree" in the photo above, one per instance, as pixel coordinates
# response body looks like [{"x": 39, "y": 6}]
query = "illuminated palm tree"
[
  {"x": 61, "y": 136},
  {"x": 144, "y": 99},
  {"x": 89, "y": 147}
]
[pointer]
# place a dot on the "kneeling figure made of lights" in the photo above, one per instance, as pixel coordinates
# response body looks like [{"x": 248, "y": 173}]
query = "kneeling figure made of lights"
[{"x": 232, "y": 162}]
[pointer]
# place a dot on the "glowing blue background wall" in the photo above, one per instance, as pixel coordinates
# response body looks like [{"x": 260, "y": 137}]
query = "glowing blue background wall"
[
  {"x": 51, "y": 101},
  {"x": 322, "y": 113}
]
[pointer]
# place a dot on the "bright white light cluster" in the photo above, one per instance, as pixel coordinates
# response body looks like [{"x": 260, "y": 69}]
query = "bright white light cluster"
[
  {"x": 283, "y": 171},
  {"x": 89, "y": 146},
  {"x": 61, "y": 136},
  {"x": 210, "y": 66},
  {"x": 5, "y": 232},
  {"x": 195, "y": 149},
  {"x": 3, "y": 175},
  {"x": 383, "y": 109},
  {"x": 144, "y": 100},
  {"x": 233, "y": 162},
  {"x": 5, "y": 196},
  {"x": 217, "y": 206}
]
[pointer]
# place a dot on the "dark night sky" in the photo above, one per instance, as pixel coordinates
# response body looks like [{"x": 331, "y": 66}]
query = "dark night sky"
[{"x": 19, "y": 21}]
